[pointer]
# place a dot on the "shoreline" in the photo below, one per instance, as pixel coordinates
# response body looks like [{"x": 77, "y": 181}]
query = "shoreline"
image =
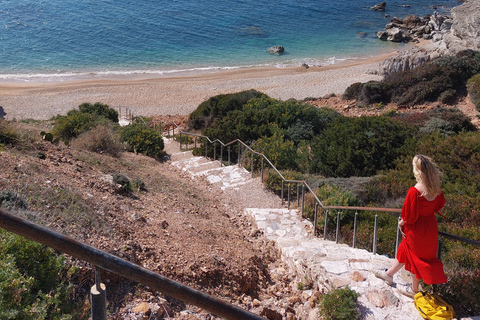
[{"x": 181, "y": 94}]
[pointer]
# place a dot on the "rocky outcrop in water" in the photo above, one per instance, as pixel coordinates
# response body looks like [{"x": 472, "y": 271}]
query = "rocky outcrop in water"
[
  {"x": 276, "y": 50},
  {"x": 379, "y": 7}
]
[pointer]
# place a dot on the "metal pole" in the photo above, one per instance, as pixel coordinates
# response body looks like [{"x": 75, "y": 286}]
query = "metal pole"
[
  {"x": 288, "y": 196},
  {"x": 180, "y": 139},
  {"x": 355, "y": 230},
  {"x": 98, "y": 298},
  {"x": 228, "y": 151},
  {"x": 315, "y": 219},
  {"x": 206, "y": 147},
  {"x": 282, "y": 191},
  {"x": 303, "y": 199},
  {"x": 298, "y": 194},
  {"x": 252, "y": 165},
  {"x": 375, "y": 234},
  {"x": 397, "y": 241},
  {"x": 195, "y": 142},
  {"x": 214, "y": 150},
  {"x": 325, "y": 226},
  {"x": 221, "y": 154},
  {"x": 239, "y": 152},
  {"x": 439, "y": 248},
  {"x": 262, "y": 170},
  {"x": 338, "y": 227},
  {"x": 127, "y": 269}
]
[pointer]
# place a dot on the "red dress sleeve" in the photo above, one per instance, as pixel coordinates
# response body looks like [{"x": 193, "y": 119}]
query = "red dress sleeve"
[{"x": 409, "y": 208}]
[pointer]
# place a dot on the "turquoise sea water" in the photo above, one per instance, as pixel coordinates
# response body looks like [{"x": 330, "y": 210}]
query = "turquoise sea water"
[{"x": 61, "y": 39}]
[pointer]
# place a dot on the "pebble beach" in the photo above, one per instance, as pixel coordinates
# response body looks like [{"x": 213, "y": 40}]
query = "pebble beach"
[{"x": 180, "y": 95}]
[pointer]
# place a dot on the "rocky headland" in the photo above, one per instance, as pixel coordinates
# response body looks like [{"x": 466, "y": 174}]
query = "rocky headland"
[{"x": 446, "y": 35}]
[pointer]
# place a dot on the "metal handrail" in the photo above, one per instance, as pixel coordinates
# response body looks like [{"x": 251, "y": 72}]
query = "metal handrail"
[
  {"x": 318, "y": 202},
  {"x": 121, "y": 267}
]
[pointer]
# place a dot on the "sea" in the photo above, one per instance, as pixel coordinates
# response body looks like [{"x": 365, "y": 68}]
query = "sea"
[{"x": 56, "y": 40}]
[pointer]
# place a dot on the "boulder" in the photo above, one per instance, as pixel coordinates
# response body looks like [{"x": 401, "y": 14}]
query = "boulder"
[
  {"x": 276, "y": 50},
  {"x": 412, "y": 20},
  {"x": 379, "y": 7}
]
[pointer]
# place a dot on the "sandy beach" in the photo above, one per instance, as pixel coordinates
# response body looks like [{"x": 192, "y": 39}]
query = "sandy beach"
[{"x": 180, "y": 95}]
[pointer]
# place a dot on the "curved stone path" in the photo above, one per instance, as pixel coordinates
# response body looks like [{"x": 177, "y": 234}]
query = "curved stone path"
[{"x": 322, "y": 263}]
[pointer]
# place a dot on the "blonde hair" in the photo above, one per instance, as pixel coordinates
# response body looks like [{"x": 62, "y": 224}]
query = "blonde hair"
[{"x": 427, "y": 172}]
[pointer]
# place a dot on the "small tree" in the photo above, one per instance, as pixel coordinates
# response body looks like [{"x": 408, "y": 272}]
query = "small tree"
[{"x": 142, "y": 139}]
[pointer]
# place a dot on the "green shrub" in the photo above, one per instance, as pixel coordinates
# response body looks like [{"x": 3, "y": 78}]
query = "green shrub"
[
  {"x": 101, "y": 139},
  {"x": 279, "y": 151},
  {"x": 274, "y": 181},
  {"x": 141, "y": 139},
  {"x": 123, "y": 182},
  {"x": 99, "y": 109},
  {"x": 79, "y": 121},
  {"x": 352, "y": 91},
  {"x": 73, "y": 124},
  {"x": 30, "y": 284},
  {"x": 473, "y": 86},
  {"x": 12, "y": 200},
  {"x": 340, "y": 304},
  {"x": 218, "y": 106},
  {"x": 373, "y": 92},
  {"x": 359, "y": 146},
  {"x": 8, "y": 135}
]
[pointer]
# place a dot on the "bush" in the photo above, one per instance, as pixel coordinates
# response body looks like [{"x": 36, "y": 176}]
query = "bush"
[
  {"x": 79, "y": 121},
  {"x": 359, "y": 146},
  {"x": 123, "y": 182},
  {"x": 352, "y": 91},
  {"x": 30, "y": 285},
  {"x": 279, "y": 151},
  {"x": 101, "y": 139},
  {"x": 373, "y": 92},
  {"x": 11, "y": 200},
  {"x": 340, "y": 304},
  {"x": 473, "y": 86},
  {"x": 99, "y": 109},
  {"x": 141, "y": 139},
  {"x": 8, "y": 135},
  {"x": 218, "y": 107}
]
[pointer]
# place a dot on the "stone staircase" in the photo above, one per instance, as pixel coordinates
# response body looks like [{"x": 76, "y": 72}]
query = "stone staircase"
[{"x": 321, "y": 263}]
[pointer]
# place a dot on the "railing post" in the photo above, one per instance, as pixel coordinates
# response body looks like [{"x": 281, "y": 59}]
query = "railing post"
[
  {"x": 173, "y": 131},
  {"x": 315, "y": 219},
  {"x": 195, "y": 142},
  {"x": 288, "y": 196},
  {"x": 98, "y": 299},
  {"x": 397, "y": 241},
  {"x": 439, "y": 248},
  {"x": 283, "y": 181},
  {"x": 214, "y": 150},
  {"x": 228, "y": 151},
  {"x": 262, "y": 170},
  {"x": 239, "y": 152},
  {"x": 252, "y": 165},
  {"x": 355, "y": 230},
  {"x": 303, "y": 199},
  {"x": 325, "y": 226},
  {"x": 298, "y": 194},
  {"x": 180, "y": 140},
  {"x": 375, "y": 234},
  {"x": 206, "y": 147},
  {"x": 338, "y": 227},
  {"x": 221, "y": 155}
]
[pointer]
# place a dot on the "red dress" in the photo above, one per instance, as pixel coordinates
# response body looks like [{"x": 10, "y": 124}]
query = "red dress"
[{"x": 419, "y": 249}]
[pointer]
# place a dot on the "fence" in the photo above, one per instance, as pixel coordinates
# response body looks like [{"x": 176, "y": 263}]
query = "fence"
[
  {"x": 304, "y": 185},
  {"x": 126, "y": 269}
]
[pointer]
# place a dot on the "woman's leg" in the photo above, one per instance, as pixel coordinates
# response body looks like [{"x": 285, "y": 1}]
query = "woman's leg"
[
  {"x": 395, "y": 268},
  {"x": 415, "y": 283}
]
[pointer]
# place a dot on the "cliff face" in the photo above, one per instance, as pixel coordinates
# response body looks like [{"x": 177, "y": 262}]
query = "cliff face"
[
  {"x": 465, "y": 30},
  {"x": 459, "y": 33}
]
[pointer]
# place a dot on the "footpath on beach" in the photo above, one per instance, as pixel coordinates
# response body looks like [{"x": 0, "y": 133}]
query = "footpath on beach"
[{"x": 323, "y": 263}]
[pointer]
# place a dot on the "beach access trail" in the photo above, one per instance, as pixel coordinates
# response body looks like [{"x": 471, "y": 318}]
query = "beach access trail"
[{"x": 326, "y": 264}]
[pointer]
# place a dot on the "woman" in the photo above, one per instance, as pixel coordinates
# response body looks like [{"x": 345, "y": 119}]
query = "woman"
[{"x": 418, "y": 224}]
